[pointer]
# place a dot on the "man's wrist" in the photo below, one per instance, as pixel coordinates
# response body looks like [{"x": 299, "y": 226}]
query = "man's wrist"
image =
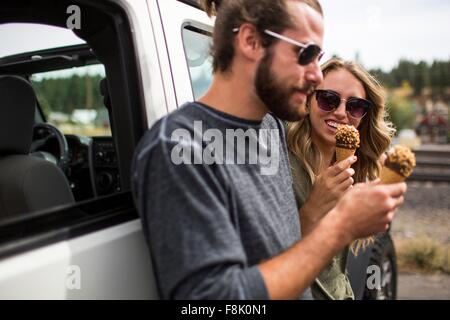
[{"x": 337, "y": 230}]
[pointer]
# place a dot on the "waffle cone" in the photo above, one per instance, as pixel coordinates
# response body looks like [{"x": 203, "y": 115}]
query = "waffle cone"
[
  {"x": 343, "y": 153},
  {"x": 390, "y": 176}
]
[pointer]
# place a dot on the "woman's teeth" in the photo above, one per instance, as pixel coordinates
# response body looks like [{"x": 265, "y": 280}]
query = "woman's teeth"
[{"x": 332, "y": 124}]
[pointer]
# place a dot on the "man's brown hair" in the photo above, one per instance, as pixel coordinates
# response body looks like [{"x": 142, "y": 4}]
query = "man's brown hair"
[{"x": 263, "y": 14}]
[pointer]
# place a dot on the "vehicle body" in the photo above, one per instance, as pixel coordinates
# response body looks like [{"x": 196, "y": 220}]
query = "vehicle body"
[{"x": 94, "y": 248}]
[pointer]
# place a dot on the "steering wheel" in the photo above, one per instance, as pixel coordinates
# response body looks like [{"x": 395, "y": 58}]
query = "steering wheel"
[{"x": 62, "y": 160}]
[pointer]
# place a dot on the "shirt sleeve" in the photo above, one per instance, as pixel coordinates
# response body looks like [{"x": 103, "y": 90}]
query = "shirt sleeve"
[{"x": 196, "y": 250}]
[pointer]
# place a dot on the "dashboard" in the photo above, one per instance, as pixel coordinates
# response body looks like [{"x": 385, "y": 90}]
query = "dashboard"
[
  {"x": 93, "y": 165},
  {"x": 105, "y": 172}
]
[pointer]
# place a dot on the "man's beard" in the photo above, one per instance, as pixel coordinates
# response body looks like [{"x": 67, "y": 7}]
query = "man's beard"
[{"x": 274, "y": 95}]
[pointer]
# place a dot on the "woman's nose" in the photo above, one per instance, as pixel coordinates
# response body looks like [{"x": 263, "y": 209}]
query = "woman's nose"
[{"x": 340, "y": 111}]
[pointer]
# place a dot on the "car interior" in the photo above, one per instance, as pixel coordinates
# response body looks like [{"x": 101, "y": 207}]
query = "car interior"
[
  {"x": 82, "y": 167},
  {"x": 41, "y": 166},
  {"x": 27, "y": 182}
]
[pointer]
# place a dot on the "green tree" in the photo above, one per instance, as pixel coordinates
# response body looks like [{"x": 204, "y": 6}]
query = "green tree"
[
  {"x": 401, "y": 112},
  {"x": 385, "y": 78},
  {"x": 421, "y": 77},
  {"x": 67, "y": 94}
]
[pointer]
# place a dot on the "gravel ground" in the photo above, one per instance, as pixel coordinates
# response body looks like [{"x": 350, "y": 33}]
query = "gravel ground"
[
  {"x": 426, "y": 211},
  {"x": 414, "y": 286}
]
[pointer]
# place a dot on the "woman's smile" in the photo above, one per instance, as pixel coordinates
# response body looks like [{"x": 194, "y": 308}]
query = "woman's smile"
[{"x": 331, "y": 126}]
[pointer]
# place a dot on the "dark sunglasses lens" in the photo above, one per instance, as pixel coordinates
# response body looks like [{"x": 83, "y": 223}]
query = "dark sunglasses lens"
[
  {"x": 358, "y": 107},
  {"x": 327, "y": 101},
  {"x": 308, "y": 54}
]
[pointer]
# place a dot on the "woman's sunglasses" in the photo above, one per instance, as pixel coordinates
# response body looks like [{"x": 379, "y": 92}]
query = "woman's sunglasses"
[{"x": 328, "y": 101}]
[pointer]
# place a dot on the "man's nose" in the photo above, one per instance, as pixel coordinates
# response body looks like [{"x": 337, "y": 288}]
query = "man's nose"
[{"x": 314, "y": 73}]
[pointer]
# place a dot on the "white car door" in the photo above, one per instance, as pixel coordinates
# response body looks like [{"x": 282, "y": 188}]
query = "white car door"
[
  {"x": 93, "y": 249},
  {"x": 96, "y": 249}
]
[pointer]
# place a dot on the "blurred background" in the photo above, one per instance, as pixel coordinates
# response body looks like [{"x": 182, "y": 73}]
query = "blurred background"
[{"x": 406, "y": 45}]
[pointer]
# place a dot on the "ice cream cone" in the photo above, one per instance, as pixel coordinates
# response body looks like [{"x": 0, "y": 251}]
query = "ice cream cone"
[
  {"x": 399, "y": 164},
  {"x": 347, "y": 141},
  {"x": 344, "y": 153},
  {"x": 390, "y": 176}
]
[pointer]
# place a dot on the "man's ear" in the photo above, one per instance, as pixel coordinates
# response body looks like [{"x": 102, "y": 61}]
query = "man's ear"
[{"x": 249, "y": 42}]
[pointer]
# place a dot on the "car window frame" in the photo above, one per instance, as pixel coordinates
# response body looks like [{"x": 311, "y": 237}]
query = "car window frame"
[
  {"x": 198, "y": 28},
  {"x": 36, "y": 229}
]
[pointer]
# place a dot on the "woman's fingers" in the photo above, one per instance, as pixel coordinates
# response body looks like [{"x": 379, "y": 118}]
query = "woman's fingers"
[
  {"x": 344, "y": 164},
  {"x": 344, "y": 185},
  {"x": 336, "y": 179},
  {"x": 344, "y": 176}
]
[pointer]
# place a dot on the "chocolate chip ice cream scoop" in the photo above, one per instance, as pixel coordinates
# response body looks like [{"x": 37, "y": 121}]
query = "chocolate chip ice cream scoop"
[
  {"x": 400, "y": 160},
  {"x": 347, "y": 136},
  {"x": 347, "y": 141}
]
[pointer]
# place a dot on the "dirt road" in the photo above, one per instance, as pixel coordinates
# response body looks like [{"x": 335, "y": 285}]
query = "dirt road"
[
  {"x": 412, "y": 286},
  {"x": 426, "y": 212}
]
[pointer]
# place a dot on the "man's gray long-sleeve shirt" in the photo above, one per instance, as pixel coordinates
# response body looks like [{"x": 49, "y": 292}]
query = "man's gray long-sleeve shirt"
[{"x": 209, "y": 224}]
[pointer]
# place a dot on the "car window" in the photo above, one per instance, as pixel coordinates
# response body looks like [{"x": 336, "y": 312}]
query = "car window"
[
  {"x": 71, "y": 100},
  {"x": 197, "y": 44},
  {"x": 72, "y": 126}
]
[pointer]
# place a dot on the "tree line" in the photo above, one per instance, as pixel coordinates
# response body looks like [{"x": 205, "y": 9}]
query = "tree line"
[
  {"x": 435, "y": 77},
  {"x": 66, "y": 94},
  {"x": 419, "y": 75}
]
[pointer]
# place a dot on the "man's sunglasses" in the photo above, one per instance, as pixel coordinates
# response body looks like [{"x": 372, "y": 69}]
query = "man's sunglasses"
[
  {"x": 308, "y": 52},
  {"x": 328, "y": 101}
]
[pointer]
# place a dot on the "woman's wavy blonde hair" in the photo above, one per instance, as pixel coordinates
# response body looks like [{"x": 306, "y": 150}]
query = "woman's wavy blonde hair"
[{"x": 375, "y": 134}]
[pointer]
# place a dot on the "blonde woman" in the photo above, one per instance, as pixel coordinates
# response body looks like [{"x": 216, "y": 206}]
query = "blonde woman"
[{"x": 348, "y": 95}]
